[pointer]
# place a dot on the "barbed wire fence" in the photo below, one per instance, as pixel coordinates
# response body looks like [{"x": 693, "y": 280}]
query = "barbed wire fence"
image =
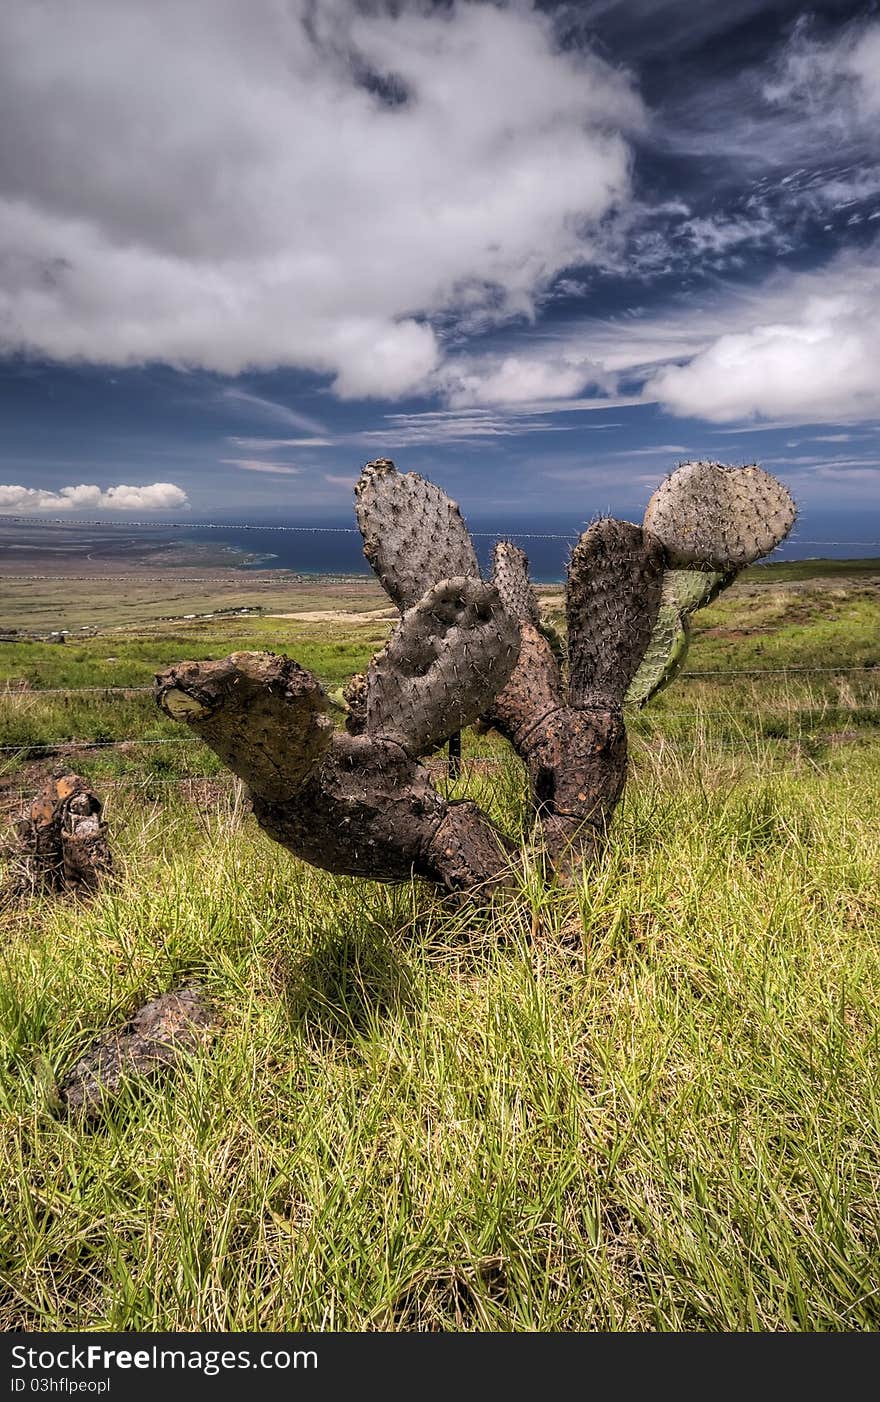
[
  {"x": 62, "y": 745},
  {"x": 793, "y": 539},
  {"x": 640, "y": 719}
]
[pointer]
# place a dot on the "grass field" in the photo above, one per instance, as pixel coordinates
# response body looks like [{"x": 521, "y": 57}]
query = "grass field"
[{"x": 650, "y": 1103}]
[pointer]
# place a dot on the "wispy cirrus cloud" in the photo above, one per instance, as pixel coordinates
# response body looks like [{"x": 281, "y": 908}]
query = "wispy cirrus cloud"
[
  {"x": 279, "y": 469},
  {"x": 257, "y": 405},
  {"x": 405, "y": 430},
  {"x": 270, "y": 444},
  {"x": 447, "y": 426},
  {"x": 834, "y": 78}
]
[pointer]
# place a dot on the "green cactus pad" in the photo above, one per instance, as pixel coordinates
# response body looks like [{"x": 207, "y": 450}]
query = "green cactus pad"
[
  {"x": 719, "y": 518},
  {"x": 689, "y": 590},
  {"x": 613, "y": 596},
  {"x": 664, "y": 657},
  {"x": 684, "y": 591},
  {"x": 445, "y": 664},
  {"x": 414, "y": 534}
]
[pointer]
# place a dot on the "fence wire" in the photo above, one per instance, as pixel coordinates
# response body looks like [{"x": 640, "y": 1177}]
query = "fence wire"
[
  {"x": 347, "y": 530},
  {"x": 794, "y": 670}
]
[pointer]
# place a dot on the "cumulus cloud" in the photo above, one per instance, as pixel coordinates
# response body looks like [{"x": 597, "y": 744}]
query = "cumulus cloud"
[
  {"x": 234, "y": 185},
  {"x": 800, "y": 347},
  {"x": 807, "y": 350},
  {"x": 158, "y": 496}
]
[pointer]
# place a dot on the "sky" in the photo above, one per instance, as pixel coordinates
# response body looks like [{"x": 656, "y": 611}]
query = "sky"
[{"x": 538, "y": 252}]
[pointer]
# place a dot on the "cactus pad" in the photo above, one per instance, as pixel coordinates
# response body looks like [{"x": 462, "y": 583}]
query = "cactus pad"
[
  {"x": 689, "y": 590},
  {"x": 684, "y": 591},
  {"x": 664, "y": 657},
  {"x": 263, "y": 714},
  {"x": 447, "y": 660},
  {"x": 613, "y": 597},
  {"x": 414, "y": 534},
  {"x": 719, "y": 518},
  {"x": 510, "y": 575}
]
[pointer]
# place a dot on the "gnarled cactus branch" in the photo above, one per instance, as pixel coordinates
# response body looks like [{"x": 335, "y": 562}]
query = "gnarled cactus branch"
[
  {"x": 360, "y": 802},
  {"x": 362, "y": 805}
]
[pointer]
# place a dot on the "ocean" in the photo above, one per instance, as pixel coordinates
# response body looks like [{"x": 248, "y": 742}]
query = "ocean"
[{"x": 334, "y": 546}]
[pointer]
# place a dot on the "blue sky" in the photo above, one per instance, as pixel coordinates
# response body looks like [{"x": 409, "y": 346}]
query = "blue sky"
[{"x": 539, "y": 253}]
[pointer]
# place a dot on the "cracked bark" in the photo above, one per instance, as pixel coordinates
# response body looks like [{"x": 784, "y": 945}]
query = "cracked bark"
[
  {"x": 356, "y": 805},
  {"x": 575, "y": 757}
]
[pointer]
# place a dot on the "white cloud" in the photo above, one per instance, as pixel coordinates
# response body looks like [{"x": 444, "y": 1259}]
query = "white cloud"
[
  {"x": 159, "y": 496},
  {"x": 256, "y": 404},
  {"x": 223, "y": 184},
  {"x": 270, "y": 444},
  {"x": 662, "y": 450},
  {"x": 808, "y": 348},
  {"x": 406, "y": 430},
  {"x": 838, "y": 77},
  {"x": 798, "y": 348},
  {"x": 516, "y": 379}
]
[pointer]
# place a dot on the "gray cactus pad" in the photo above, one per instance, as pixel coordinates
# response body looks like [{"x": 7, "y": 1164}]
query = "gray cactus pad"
[
  {"x": 612, "y": 599},
  {"x": 447, "y": 660},
  {"x": 718, "y": 517},
  {"x": 414, "y": 534},
  {"x": 510, "y": 575},
  {"x": 263, "y": 714}
]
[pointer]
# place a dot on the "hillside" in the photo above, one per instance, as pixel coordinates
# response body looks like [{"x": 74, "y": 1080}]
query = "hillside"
[{"x": 646, "y": 1104}]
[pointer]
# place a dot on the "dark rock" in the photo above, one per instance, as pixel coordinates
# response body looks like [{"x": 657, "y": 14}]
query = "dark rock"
[{"x": 152, "y": 1042}]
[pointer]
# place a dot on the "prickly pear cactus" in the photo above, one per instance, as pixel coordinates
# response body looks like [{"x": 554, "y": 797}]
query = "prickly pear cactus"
[
  {"x": 684, "y": 591},
  {"x": 664, "y": 657},
  {"x": 414, "y": 535},
  {"x": 264, "y": 715},
  {"x": 719, "y": 518},
  {"x": 447, "y": 659},
  {"x": 62, "y": 839},
  {"x": 713, "y": 521},
  {"x": 614, "y": 581},
  {"x": 359, "y": 801},
  {"x": 510, "y": 575}
]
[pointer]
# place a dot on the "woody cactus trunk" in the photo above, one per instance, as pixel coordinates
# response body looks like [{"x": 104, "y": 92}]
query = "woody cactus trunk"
[{"x": 359, "y": 801}]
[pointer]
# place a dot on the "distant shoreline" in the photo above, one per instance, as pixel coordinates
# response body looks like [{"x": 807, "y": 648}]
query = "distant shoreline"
[{"x": 51, "y": 547}]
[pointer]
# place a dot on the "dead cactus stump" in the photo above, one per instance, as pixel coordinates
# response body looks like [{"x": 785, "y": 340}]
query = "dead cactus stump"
[{"x": 62, "y": 839}]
